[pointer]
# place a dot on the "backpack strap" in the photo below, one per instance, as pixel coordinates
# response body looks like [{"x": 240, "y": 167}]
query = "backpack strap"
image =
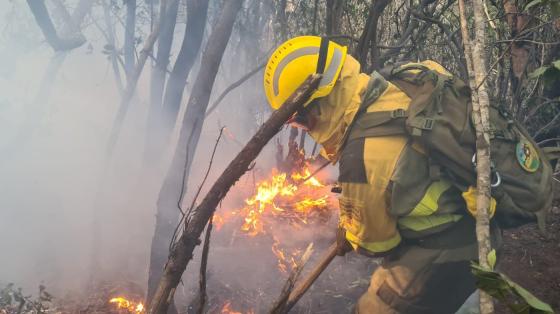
[
  {"x": 376, "y": 86},
  {"x": 380, "y": 123}
]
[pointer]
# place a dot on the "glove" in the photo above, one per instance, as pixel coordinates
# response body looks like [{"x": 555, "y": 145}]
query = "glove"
[
  {"x": 470, "y": 199},
  {"x": 342, "y": 244}
]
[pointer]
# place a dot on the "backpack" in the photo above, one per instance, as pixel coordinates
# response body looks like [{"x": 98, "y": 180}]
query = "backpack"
[{"x": 439, "y": 117}]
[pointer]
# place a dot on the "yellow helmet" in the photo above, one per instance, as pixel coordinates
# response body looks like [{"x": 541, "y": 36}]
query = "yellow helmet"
[{"x": 295, "y": 60}]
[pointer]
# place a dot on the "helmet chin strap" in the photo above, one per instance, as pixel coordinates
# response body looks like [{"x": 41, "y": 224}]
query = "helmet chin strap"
[
  {"x": 322, "y": 60},
  {"x": 301, "y": 119}
]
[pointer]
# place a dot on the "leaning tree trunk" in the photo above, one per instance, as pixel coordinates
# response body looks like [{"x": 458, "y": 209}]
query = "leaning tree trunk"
[
  {"x": 170, "y": 195},
  {"x": 476, "y": 64},
  {"x": 182, "y": 249}
]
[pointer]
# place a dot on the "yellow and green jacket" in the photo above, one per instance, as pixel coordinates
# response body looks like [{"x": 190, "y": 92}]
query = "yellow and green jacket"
[{"x": 388, "y": 190}]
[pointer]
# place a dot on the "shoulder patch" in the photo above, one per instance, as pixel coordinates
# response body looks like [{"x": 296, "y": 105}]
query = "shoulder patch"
[{"x": 527, "y": 155}]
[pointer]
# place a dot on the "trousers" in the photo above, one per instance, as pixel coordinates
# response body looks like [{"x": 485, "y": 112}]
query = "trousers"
[{"x": 426, "y": 276}]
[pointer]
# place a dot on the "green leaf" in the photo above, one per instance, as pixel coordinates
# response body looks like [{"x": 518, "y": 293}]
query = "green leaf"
[
  {"x": 538, "y": 72},
  {"x": 504, "y": 289},
  {"x": 492, "y": 259},
  {"x": 531, "y": 300},
  {"x": 556, "y": 64}
]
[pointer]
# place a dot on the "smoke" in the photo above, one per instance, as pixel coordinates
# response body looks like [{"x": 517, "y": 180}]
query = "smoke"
[{"x": 56, "y": 111}]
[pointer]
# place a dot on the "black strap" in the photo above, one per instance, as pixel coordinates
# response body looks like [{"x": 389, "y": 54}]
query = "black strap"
[
  {"x": 323, "y": 50},
  {"x": 376, "y": 86}
]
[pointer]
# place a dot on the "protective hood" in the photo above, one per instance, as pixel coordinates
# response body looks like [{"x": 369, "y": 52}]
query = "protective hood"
[{"x": 336, "y": 111}]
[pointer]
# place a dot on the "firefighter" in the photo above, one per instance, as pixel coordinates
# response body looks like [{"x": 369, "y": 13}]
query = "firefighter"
[{"x": 392, "y": 205}]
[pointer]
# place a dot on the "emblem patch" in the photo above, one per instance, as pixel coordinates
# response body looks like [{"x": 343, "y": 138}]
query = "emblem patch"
[{"x": 527, "y": 155}]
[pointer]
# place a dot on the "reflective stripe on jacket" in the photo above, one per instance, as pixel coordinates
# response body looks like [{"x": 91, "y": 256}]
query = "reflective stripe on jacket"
[{"x": 388, "y": 189}]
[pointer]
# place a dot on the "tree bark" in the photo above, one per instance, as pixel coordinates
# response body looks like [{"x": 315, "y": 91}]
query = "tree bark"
[
  {"x": 159, "y": 75},
  {"x": 133, "y": 81},
  {"x": 476, "y": 64},
  {"x": 167, "y": 213},
  {"x": 369, "y": 36},
  {"x": 197, "y": 11},
  {"x": 334, "y": 16},
  {"x": 182, "y": 250},
  {"x": 129, "y": 40},
  {"x": 112, "y": 43},
  {"x": 519, "y": 52},
  {"x": 174, "y": 184},
  {"x": 43, "y": 19}
]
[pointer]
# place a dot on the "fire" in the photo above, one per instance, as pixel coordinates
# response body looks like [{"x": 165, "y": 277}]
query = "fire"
[
  {"x": 286, "y": 260},
  {"x": 129, "y": 306},
  {"x": 312, "y": 181},
  {"x": 296, "y": 197},
  {"x": 226, "y": 309},
  {"x": 298, "y": 200}
]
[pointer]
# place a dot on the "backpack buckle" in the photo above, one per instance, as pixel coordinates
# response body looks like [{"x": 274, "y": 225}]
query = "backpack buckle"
[
  {"x": 427, "y": 124},
  {"x": 398, "y": 113}
]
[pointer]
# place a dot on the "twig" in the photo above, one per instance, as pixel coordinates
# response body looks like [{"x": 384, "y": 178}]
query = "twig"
[
  {"x": 233, "y": 86},
  {"x": 184, "y": 215},
  {"x": 526, "y": 41},
  {"x": 207, "y": 170},
  {"x": 280, "y": 305},
  {"x": 203, "y": 263},
  {"x": 549, "y": 125},
  {"x": 492, "y": 67},
  {"x": 182, "y": 251},
  {"x": 548, "y": 140}
]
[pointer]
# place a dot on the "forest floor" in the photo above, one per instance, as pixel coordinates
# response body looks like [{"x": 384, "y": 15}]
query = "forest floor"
[
  {"x": 533, "y": 261},
  {"x": 527, "y": 257}
]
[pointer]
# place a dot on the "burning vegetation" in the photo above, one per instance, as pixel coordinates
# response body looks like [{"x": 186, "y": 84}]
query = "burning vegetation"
[{"x": 126, "y": 306}]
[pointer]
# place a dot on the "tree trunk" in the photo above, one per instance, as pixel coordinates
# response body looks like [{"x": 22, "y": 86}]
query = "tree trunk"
[
  {"x": 182, "y": 249},
  {"x": 282, "y": 20},
  {"x": 159, "y": 75},
  {"x": 43, "y": 19},
  {"x": 129, "y": 31},
  {"x": 38, "y": 107},
  {"x": 197, "y": 11},
  {"x": 369, "y": 36},
  {"x": 476, "y": 64},
  {"x": 334, "y": 16},
  {"x": 133, "y": 81},
  {"x": 169, "y": 198},
  {"x": 112, "y": 43},
  {"x": 519, "y": 52}
]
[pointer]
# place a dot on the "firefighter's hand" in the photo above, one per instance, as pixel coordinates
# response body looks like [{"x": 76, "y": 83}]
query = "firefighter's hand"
[{"x": 342, "y": 245}]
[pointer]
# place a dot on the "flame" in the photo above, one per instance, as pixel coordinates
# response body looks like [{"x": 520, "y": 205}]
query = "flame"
[
  {"x": 286, "y": 260},
  {"x": 296, "y": 197},
  {"x": 226, "y": 309},
  {"x": 130, "y": 306},
  {"x": 306, "y": 174},
  {"x": 218, "y": 221}
]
